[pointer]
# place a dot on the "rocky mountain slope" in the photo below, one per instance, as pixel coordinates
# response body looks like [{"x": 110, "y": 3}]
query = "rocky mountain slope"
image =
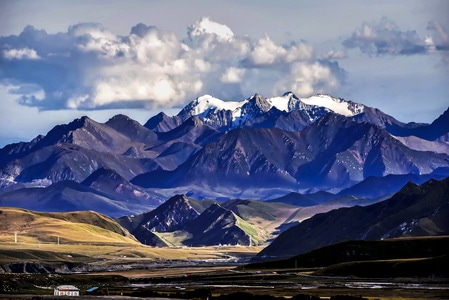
[
  {"x": 332, "y": 153},
  {"x": 198, "y": 223}
]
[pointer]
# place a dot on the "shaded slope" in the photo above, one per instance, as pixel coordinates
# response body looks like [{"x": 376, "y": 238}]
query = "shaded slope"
[
  {"x": 431, "y": 132},
  {"x": 110, "y": 183},
  {"x": 71, "y": 162},
  {"x": 217, "y": 225},
  {"x": 162, "y": 122},
  {"x": 172, "y": 215},
  {"x": 414, "y": 211},
  {"x": 332, "y": 153},
  {"x": 67, "y": 196},
  {"x": 132, "y": 129},
  {"x": 401, "y": 257},
  {"x": 241, "y": 156}
]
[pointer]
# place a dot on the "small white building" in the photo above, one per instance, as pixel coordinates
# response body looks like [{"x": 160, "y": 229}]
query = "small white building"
[{"x": 66, "y": 290}]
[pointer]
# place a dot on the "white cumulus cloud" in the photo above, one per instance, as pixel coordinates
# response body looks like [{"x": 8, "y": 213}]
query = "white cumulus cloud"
[
  {"x": 90, "y": 67},
  {"x": 232, "y": 75},
  {"x": 25, "y": 53}
]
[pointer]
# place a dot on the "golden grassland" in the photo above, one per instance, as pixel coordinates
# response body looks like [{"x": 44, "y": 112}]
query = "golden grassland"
[
  {"x": 32, "y": 250},
  {"x": 86, "y": 236}
]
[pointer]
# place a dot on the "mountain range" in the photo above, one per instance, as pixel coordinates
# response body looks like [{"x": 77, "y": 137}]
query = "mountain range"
[
  {"x": 183, "y": 221},
  {"x": 258, "y": 148},
  {"x": 239, "y": 172}
]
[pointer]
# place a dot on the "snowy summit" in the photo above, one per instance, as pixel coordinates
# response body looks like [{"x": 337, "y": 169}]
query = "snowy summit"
[{"x": 207, "y": 104}]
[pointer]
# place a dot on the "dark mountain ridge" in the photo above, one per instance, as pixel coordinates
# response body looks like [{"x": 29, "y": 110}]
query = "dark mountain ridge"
[
  {"x": 191, "y": 222},
  {"x": 416, "y": 210},
  {"x": 431, "y": 132},
  {"x": 172, "y": 215},
  {"x": 203, "y": 223},
  {"x": 424, "y": 257},
  {"x": 162, "y": 122},
  {"x": 215, "y": 226},
  {"x": 132, "y": 129}
]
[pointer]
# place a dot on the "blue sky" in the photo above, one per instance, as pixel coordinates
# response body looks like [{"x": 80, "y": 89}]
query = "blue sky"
[{"x": 60, "y": 60}]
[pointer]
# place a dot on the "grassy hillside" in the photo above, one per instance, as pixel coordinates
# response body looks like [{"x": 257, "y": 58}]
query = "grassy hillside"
[
  {"x": 258, "y": 236},
  {"x": 84, "y": 237},
  {"x": 83, "y": 227},
  {"x": 266, "y": 216}
]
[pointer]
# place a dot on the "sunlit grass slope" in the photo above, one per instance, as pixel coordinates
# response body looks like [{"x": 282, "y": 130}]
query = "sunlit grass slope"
[
  {"x": 84, "y": 236},
  {"x": 83, "y": 227}
]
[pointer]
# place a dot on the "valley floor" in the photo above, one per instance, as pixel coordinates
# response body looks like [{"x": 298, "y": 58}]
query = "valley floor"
[
  {"x": 202, "y": 280},
  {"x": 139, "y": 271}
]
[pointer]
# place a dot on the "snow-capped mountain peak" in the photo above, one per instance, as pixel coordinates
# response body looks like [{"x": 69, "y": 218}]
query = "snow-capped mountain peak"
[
  {"x": 289, "y": 102},
  {"x": 238, "y": 112},
  {"x": 205, "y": 104}
]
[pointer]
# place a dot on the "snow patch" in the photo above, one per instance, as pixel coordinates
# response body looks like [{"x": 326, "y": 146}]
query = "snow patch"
[
  {"x": 281, "y": 103},
  {"x": 42, "y": 182},
  {"x": 206, "y": 103},
  {"x": 336, "y": 105}
]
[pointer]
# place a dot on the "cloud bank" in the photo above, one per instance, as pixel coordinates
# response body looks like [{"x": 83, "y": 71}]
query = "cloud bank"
[
  {"x": 90, "y": 67},
  {"x": 385, "y": 38}
]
